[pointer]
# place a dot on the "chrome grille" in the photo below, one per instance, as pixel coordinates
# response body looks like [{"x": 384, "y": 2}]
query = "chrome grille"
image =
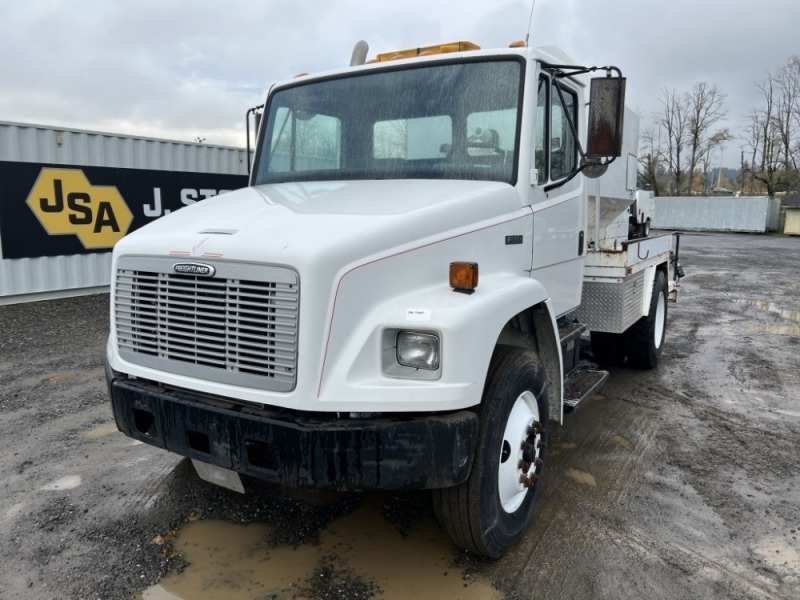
[{"x": 231, "y": 330}]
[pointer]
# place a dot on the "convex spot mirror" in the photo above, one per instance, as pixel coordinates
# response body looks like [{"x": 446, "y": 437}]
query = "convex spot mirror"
[{"x": 606, "y": 111}]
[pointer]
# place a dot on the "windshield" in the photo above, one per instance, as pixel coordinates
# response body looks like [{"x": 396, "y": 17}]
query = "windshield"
[{"x": 445, "y": 121}]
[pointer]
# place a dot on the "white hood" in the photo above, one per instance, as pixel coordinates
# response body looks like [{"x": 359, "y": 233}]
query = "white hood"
[{"x": 297, "y": 224}]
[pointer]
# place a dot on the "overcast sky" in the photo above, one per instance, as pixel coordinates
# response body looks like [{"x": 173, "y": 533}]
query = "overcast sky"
[{"x": 181, "y": 69}]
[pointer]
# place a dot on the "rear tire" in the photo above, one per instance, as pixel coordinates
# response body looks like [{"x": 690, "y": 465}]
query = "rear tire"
[
  {"x": 645, "y": 338},
  {"x": 488, "y": 513}
]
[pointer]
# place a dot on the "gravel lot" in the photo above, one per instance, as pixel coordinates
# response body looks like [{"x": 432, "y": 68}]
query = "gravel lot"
[{"x": 681, "y": 482}]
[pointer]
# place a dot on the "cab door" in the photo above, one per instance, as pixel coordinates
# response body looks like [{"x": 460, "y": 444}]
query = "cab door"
[{"x": 558, "y": 199}]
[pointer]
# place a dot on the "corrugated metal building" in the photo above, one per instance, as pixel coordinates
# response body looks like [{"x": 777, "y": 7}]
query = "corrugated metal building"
[{"x": 66, "y": 196}]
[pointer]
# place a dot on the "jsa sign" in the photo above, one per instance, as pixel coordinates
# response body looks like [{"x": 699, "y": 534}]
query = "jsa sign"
[
  {"x": 50, "y": 210},
  {"x": 66, "y": 203}
]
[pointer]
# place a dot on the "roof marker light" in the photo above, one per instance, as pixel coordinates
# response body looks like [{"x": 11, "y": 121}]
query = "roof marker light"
[{"x": 426, "y": 51}]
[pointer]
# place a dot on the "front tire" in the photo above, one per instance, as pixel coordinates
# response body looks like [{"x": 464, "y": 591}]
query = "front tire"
[
  {"x": 488, "y": 513},
  {"x": 645, "y": 338}
]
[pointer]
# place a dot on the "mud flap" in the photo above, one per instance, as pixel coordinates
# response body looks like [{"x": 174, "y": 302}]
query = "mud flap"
[{"x": 219, "y": 476}]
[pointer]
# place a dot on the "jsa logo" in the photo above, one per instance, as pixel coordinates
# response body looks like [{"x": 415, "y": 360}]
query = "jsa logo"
[{"x": 66, "y": 203}]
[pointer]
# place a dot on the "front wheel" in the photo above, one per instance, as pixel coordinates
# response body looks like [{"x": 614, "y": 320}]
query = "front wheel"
[
  {"x": 645, "y": 338},
  {"x": 490, "y": 511}
]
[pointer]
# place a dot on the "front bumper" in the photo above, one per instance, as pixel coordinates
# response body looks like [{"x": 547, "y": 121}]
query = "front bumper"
[{"x": 297, "y": 448}]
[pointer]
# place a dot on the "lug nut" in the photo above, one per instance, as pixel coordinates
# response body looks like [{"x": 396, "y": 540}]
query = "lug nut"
[
  {"x": 525, "y": 481},
  {"x": 540, "y": 445},
  {"x": 524, "y": 466},
  {"x": 538, "y": 462},
  {"x": 535, "y": 429}
]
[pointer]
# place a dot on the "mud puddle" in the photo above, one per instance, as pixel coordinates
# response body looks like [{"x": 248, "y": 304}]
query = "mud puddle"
[
  {"x": 95, "y": 433},
  {"x": 768, "y": 306},
  {"x": 622, "y": 442},
  {"x": 559, "y": 447},
  {"x": 793, "y": 330},
  {"x": 60, "y": 377},
  {"x": 793, "y": 316},
  {"x": 69, "y": 482},
  {"x": 779, "y": 555},
  {"x": 583, "y": 477},
  {"x": 359, "y": 555}
]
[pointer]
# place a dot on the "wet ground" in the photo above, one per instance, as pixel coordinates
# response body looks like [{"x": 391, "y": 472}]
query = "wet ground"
[{"x": 682, "y": 482}]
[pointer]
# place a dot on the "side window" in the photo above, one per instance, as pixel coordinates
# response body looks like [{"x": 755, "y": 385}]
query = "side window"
[
  {"x": 303, "y": 141},
  {"x": 563, "y": 155},
  {"x": 412, "y": 139}
]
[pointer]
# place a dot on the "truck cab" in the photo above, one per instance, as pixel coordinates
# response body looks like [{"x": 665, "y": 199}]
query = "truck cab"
[{"x": 390, "y": 303}]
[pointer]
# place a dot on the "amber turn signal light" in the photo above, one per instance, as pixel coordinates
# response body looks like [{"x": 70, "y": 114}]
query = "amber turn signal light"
[{"x": 464, "y": 276}]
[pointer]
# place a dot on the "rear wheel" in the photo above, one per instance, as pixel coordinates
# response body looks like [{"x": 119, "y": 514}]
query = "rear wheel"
[
  {"x": 645, "y": 338},
  {"x": 490, "y": 511}
]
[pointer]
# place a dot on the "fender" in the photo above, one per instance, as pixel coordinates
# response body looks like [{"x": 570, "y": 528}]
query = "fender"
[
  {"x": 647, "y": 293},
  {"x": 468, "y": 325},
  {"x": 647, "y": 281}
]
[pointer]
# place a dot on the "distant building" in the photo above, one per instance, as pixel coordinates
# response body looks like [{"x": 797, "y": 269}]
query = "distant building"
[{"x": 791, "y": 199}]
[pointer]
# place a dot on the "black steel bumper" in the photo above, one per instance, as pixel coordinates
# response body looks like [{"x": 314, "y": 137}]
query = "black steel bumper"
[{"x": 299, "y": 449}]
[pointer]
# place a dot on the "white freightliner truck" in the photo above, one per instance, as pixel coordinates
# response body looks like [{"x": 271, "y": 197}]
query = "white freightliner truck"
[{"x": 397, "y": 300}]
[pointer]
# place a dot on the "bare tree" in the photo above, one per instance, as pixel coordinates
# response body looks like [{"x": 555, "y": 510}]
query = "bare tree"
[
  {"x": 710, "y": 145},
  {"x": 787, "y": 114},
  {"x": 765, "y": 139},
  {"x": 651, "y": 160},
  {"x": 705, "y": 108},
  {"x": 793, "y": 68},
  {"x": 391, "y": 139},
  {"x": 675, "y": 123}
]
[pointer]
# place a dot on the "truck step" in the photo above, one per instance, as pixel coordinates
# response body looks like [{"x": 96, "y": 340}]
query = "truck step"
[{"x": 581, "y": 383}]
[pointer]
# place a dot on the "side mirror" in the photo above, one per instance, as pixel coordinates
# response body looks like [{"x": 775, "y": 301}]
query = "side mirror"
[{"x": 606, "y": 111}]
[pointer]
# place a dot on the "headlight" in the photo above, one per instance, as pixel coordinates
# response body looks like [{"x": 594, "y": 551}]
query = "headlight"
[{"x": 418, "y": 350}]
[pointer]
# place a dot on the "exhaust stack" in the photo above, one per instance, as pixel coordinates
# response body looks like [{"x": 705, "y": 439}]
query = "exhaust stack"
[{"x": 359, "y": 56}]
